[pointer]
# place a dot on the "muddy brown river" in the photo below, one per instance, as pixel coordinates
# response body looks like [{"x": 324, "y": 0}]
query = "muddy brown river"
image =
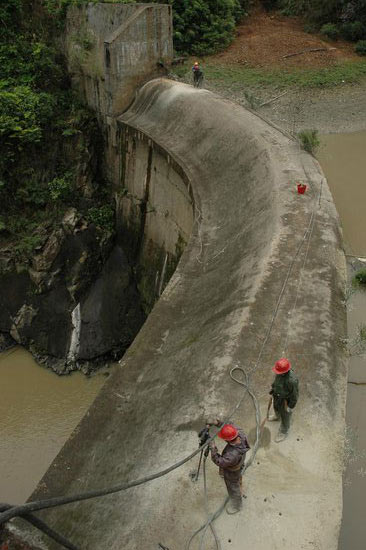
[
  {"x": 343, "y": 159},
  {"x": 38, "y": 412}
]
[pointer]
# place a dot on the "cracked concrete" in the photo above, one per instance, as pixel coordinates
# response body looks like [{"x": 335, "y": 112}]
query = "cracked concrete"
[{"x": 215, "y": 313}]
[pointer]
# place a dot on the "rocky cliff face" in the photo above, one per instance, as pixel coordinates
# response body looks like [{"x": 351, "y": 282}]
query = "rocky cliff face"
[{"x": 75, "y": 302}]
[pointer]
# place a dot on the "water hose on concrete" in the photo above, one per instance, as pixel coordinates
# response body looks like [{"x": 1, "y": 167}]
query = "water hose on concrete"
[{"x": 42, "y": 526}]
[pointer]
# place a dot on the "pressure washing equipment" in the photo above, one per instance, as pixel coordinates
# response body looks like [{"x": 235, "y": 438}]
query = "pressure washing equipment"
[{"x": 203, "y": 436}]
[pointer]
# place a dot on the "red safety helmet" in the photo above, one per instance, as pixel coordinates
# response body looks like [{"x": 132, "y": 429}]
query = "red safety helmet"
[
  {"x": 282, "y": 366},
  {"x": 228, "y": 432}
]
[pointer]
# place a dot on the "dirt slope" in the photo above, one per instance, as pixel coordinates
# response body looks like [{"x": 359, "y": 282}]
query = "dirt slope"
[{"x": 263, "y": 39}]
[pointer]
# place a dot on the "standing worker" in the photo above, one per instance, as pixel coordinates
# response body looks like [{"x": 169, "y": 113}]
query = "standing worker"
[
  {"x": 285, "y": 392},
  {"x": 197, "y": 75},
  {"x": 231, "y": 461}
]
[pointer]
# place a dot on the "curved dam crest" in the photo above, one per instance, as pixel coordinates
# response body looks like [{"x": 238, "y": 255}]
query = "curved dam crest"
[{"x": 238, "y": 173}]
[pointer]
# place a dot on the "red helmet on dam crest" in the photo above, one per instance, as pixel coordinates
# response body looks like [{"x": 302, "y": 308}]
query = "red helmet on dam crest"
[
  {"x": 228, "y": 432},
  {"x": 282, "y": 366}
]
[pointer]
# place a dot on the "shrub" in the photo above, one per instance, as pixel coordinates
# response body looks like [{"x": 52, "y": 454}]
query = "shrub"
[
  {"x": 309, "y": 140},
  {"x": 26, "y": 245},
  {"x": 354, "y": 31},
  {"x": 269, "y": 4},
  {"x": 360, "y": 47},
  {"x": 360, "y": 276},
  {"x": 103, "y": 217},
  {"x": 22, "y": 113},
  {"x": 311, "y": 28},
  {"x": 32, "y": 191},
  {"x": 330, "y": 30},
  {"x": 205, "y": 26},
  {"x": 61, "y": 188},
  {"x": 292, "y": 7}
]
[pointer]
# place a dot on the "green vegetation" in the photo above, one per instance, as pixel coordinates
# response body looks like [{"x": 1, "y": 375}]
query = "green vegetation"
[
  {"x": 102, "y": 217},
  {"x": 45, "y": 133},
  {"x": 333, "y": 17},
  {"x": 203, "y": 27},
  {"x": 361, "y": 47},
  {"x": 330, "y": 30},
  {"x": 309, "y": 140},
  {"x": 360, "y": 277},
  {"x": 240, "y": 77}
]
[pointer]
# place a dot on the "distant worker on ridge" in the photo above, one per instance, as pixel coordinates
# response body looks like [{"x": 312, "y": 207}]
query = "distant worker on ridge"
[
  {"x": 284, "y": 392},
  {"x": 231, "y": 461},
  {"x": 197, "y": 75}
]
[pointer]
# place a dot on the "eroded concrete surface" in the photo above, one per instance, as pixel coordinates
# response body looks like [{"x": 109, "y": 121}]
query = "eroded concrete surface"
[{"x": 213, "y": 314}]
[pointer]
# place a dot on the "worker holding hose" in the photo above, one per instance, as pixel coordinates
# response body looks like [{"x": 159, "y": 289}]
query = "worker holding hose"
[
  {"x": 285, "y": 393},
  {"x": 231, "y": 461}
]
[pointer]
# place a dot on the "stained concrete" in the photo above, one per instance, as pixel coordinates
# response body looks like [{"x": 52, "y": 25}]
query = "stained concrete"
[
  {"x": 154, "y": 209},
  {"x": 215, "y": 313},
  {"x": 111, "y": 48}
]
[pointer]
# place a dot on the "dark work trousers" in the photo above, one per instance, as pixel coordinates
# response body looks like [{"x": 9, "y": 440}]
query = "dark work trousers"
[
  {"x": 232, "y": 481},
  {"x": 280, "y": 409}
]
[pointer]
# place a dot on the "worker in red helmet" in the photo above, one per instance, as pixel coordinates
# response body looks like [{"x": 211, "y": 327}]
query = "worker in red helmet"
[
  {"x": 231, "y": 461},
  {"x": 197, "y": 75},
  {"x": 285, "y": 393}
]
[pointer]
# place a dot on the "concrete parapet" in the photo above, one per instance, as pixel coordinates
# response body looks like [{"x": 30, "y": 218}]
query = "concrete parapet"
[{"x": 253, "y": 239}]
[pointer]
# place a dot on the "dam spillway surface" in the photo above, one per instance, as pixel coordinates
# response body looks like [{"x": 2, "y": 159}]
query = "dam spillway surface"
[{"x": 249, "y": 224}]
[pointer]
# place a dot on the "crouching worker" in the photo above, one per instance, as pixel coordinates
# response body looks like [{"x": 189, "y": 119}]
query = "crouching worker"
[
  {"x": 231, "y": 462},
  {"x": 285, "y": 392}
]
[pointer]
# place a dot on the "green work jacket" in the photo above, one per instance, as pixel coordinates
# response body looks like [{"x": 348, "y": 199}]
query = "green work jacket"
[{"x": 286, "y": 386}]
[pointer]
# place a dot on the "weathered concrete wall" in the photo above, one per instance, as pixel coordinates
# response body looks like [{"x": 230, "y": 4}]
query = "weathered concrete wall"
[
  {"x": 155, "y": 211},
  {"x": 214, "y": 313},
  {"x": 112, "y": 48}
]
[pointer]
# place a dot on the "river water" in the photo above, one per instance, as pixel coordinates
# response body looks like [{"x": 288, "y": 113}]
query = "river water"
[
  {"x": 343, "y": 159},
  {"x": 38, "y": 412}
]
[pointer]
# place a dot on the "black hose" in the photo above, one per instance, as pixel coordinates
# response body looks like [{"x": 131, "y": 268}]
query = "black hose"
[
  {"x": 60, "y": 501},
  {"x": 42, "y": 526}
]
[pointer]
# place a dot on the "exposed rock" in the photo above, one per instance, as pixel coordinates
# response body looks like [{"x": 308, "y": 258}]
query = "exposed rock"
[
  {"x": 75, "y": 266},
  {"x": 44, "y": 260},
  {"x": 22, "y": 321},
  {"x": 70, "y": 220}
]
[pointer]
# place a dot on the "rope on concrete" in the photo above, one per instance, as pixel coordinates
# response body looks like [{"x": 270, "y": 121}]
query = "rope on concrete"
[
  {"x": 308, "y": 233},
  {"x": 307, "y": 236}
]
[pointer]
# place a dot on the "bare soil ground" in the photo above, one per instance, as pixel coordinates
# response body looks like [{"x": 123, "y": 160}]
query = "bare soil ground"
[
  {"x": 262, "y": 42},
  {"x": 265, "y": 39}
]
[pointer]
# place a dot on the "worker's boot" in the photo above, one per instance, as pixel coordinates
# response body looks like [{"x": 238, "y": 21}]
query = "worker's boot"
[{"x": 281, "y": 436}]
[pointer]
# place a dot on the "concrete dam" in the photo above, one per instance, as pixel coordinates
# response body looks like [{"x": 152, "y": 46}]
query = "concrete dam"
[{"x": 261, "y": 275}]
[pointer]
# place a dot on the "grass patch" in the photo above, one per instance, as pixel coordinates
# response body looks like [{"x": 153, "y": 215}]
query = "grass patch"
[
  {"x": 309, "y": 140},
  {"x": 360, "y": 277},
  {"x": 348, "y": 72}
]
